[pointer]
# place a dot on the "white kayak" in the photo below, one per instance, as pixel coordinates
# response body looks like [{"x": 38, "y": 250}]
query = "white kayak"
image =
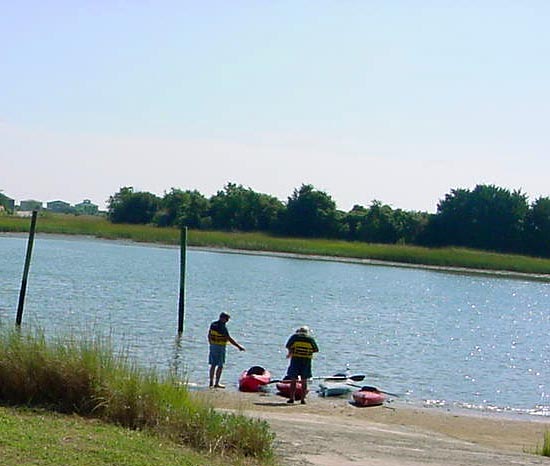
[{"x": 331, "y": 388}]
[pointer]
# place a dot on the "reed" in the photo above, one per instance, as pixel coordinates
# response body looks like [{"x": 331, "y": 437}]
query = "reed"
[
  {"x": 406, "y": 254},
  {"x": 85, "y": 377},
  {"x": 96, "y": 226},
  {"x": 544, "y": 449}
]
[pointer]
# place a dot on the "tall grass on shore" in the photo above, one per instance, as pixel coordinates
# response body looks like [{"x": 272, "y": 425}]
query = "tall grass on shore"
[
  {"x": 96, "y": 226},
  {"x": 544, "y": 450},
  {"x": 440, "y": 257},
  {"x": 86, "y": 377}
]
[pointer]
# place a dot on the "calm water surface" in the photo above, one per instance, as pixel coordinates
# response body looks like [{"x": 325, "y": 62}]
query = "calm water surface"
[{"x": 448, "y": 339}]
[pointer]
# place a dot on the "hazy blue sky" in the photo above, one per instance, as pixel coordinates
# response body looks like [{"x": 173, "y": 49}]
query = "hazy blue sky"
[{"x": 399, "y": 101}]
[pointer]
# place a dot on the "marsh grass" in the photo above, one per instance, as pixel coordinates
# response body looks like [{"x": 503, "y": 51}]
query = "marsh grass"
[
  {"x": 439, "y": 257},
  {"x": 97, "y": 226},
  {"x": 85, "y": 377},
  {"x": 544, "y": 449}
]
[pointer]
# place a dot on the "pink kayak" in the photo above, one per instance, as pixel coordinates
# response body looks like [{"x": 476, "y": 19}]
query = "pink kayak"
[
  {"x": 253, "y": 379},
  {"x": 283, "y": 388},
  {"x": 368, "y": 396}
]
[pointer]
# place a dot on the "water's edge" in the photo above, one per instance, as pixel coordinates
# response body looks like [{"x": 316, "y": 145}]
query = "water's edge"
[{"x": 315, "y": 257}]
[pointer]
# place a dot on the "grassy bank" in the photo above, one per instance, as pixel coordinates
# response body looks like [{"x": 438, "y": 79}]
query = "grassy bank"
[
  {"x": 85, "y": 378},
  {"x": 443, "y": 257},
  {"x": 41, "y": 437}
]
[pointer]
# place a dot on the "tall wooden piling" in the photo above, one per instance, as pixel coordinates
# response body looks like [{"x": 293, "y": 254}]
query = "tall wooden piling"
[
  {"x": 23, "y": 290},
  {"x": 183, "y": 258}
]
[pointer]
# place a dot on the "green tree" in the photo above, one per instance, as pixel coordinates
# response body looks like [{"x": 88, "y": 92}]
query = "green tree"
[
  {"x": 128, "y": 206},
  {"x": 184, "y": 208},
  {"x": 537, "y": 228},
  {"x": 382, "y": 224},
  {"x": 378, "y": 225},
  {"x": 410, "y": 225},
  {"x": 239, "y": 208},
  {"x": 352, "y": 222},
  {"x": 311, "y": 213},
  {"x": 267, "y": 211},
  {"x": 488, "y": 217}
]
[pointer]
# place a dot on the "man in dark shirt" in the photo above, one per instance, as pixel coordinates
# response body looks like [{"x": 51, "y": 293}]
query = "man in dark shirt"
[
  {"x": 301, "y": 346},
  {"x": 218, "y": 336}
]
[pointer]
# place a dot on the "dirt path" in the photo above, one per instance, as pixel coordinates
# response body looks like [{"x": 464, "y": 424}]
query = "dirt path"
[{"x": 331, "y": 432}]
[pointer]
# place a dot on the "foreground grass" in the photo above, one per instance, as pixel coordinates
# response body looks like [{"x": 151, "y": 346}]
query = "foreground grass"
[
  {"x": 443, "y": 257},
  {"x": 85, "y": 378},
  {"x": 40, "y": 437}
]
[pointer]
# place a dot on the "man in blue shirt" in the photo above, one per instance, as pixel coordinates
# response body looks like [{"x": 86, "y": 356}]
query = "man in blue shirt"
[{"x": 218, "y": 337}]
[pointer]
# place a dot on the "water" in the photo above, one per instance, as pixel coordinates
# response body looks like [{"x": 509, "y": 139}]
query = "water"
[{"x": 447, "y": 339}]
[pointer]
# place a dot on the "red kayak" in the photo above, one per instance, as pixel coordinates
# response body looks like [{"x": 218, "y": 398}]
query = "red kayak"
[
  {"x": 252, "y": 379},
  {"x": 283, "y": 388},
  {"x": 368, "y": 396}
]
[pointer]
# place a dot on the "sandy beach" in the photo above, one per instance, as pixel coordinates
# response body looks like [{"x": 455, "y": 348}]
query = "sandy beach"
[{"x": 332, "y": 432}]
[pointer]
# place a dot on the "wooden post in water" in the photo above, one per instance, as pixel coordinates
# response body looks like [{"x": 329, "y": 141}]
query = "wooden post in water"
[
  {"x": 183, "y": 254},
  {"x": 23, "y": 290}
]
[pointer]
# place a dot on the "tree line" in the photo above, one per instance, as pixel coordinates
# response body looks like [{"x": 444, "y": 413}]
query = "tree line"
[{"x": 487, "y": 217}]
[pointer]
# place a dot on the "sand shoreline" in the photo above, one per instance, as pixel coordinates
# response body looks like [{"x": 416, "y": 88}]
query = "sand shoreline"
[{"x": 330, "y": 432}]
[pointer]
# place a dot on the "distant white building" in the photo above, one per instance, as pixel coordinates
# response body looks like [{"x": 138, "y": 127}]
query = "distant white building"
[
  {"x": 86, "y": 207},
  {"x": 30, "y": 205},
  {"x": 60, "y": 207},
  {"x": 7, "y": 203}
]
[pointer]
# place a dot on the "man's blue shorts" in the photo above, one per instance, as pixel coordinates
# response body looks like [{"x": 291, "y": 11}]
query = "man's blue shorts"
[
  {"x": 216, "y": 356},
  {"x": 299, "y": 367}
]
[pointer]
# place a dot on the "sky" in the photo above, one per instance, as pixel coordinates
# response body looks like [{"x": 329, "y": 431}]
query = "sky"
[{"x": 396, "y": 101}]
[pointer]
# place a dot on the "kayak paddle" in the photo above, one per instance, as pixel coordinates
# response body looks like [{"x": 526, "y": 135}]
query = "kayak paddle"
[
  {"x": 343, "y": 378},
  {"x": 355, "y": 378}
]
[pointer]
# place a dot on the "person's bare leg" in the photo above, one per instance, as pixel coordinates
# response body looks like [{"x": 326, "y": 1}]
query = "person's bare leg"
[
  {"x": 211, "y": 375},
  {"x": 304, "y": 390},
  {"x": 218, "y": 377},
  {"x": 292, "y": 391}
]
